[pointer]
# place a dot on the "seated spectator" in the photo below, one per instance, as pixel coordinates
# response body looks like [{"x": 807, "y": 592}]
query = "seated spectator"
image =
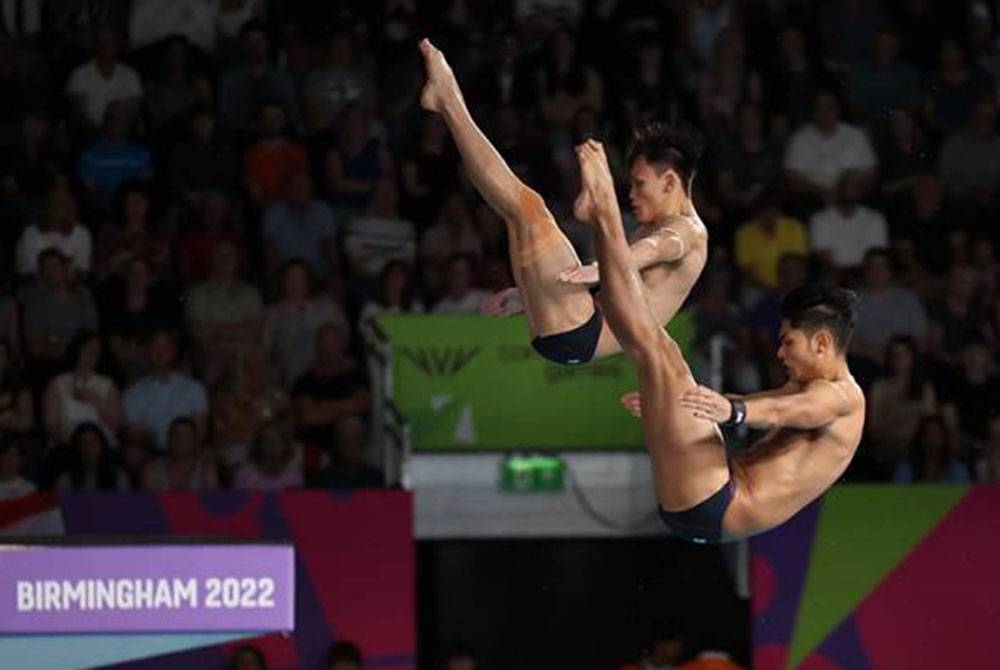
[
  {"x": 460, "y": 295},
  {"x": 348, "y": 468},
  {"x": 429, "y": 171},
  {"x": 202, "y": 162},
  {"x": 565, "y": 83},
  {"x": 454, "y": 233},
  {"x": 885, "y": 309},
  {"x": 764, "y": 318},
  {"x": 924, "y": 218},
  {"x": 184, "y": 466},
  {"x": 934, "y": 454},
  {"x": 90, "y": 463},
  {"x": 271, "y": 161},
  {"x": 750, "y": 165},
  {"x": 247, "y": 657},
  {"x": 506, "y": 78},
  {"x": 340, "y": 79},
  {"x": 39, "y": 149},
  {"x": 154, "y": 401},
  {"x": 960, "y": 316},
  {"x": 906, "y": 155},
  {"x": 215, "y": 221},
  {"x": 57, "y": 227},
  {"x": 761, "y": 242},
  {"x": 715, "y": 315},
  {"x": 357, "y": 162},
  {"x": 151, "y": 21},
  {"x": 793, "y": 81},
  {"x": 243, "y": 91},
  {"x": 300, "y": 226},
  {"x": 114, "y": 158},
  {"x": 291, "y": 323},
  {"x": 17, "y": 408},
  {"x": 248, "y": 396},
  {"x": 224, "y": 313},
  {"x": 273, "y": 463},
  {"x": 725, "y": 82},
  {"x": 103, "y": 80},
  {"x": 134, "y": 456},
  {"x": 12, "y": 481},
  {"x": 955, "y": 89},
  {"x": 460, "y": 658},
  {"x": 844, "y": 232},
  {"x": 970, "y": 159},
  {"x": 884, "y": 84},
  {"x": 133, "y": 309},
  {"x": 380, "y": 235},
  {"x": 331, "y": 387},
  {"x": 847, "y": 29},
  {"x": 972, "y": 387},
  {"x": 230, "y": 17},
  {"x": 820, "y": 152},
  {"x": 54, "y": 311},
  {"x": 897, "y": 402},
  {"x": 177, "y": 91},
  {"x": 132, "y": 235},
  {"x": 395, "y": 294},
  {"x": 344, "y": 655},
  {"x": 82, "y": 395}
]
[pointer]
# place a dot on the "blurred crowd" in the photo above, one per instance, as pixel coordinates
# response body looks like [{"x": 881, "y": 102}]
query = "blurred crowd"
[{"x": 204, "y": 204}]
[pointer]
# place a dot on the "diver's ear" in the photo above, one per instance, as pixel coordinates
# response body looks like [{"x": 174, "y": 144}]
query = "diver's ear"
[{"x": 822, "y": 342}]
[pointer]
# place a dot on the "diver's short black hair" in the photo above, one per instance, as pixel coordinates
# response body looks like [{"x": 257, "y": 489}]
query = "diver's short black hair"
[
  {"x": 664, "y": 146},
  {"x": 813, "y": 307}
]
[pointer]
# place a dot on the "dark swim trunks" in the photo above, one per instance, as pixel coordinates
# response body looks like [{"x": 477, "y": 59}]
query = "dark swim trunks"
[
  {"x": 701, "y": 524},
  {"x": 574, "y": 346}
]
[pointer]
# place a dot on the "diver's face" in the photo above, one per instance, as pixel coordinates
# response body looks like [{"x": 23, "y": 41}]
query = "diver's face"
[
  {"x": 795, "y": 351},
  {"x": 649, "y": 189}
]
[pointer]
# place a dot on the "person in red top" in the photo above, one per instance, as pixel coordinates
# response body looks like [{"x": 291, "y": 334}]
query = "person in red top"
[{"x": 270, "y": 162}]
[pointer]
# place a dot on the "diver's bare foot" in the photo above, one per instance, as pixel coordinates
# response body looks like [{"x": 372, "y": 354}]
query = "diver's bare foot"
[
  {"x": 441, "y": 88},
  {"x": 597, "y": 189}
]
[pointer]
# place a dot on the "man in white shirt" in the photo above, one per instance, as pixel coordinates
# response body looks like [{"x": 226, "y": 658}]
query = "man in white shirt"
[
  {"x": 821, "y": 151},
  {"x": 103, "y": 79},
  {"x": 460, "y": 297},
  {"x": 843, "y": 232}
]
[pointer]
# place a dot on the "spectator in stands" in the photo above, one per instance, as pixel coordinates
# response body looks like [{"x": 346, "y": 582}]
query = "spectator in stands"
[
  {"x": 725, "y": 83},
  {"x": 820, "y": 152},
  {"x": 114, "y": 158},
  {"x": 17, "y": 408},
  {"x": 178, "y": 90},
  {"x": 215, "y": 221},
  {"x": 565, "y": 83},
  {"x": 273, "y": 464},
  {"x": 885, "y": 84},
  {"x": 230, "y": 16},
  {"x": 844, "y": 232},
  {"x": 380, "y": 235},
  {"x": 39, "y": 150},
  {"x": 57, "y": 227},
  {"x": 248, "y": 396},
  {"x": 357, "y": 162},
  {"x": 988, "y": 466},
  {"x": 970, "y": 159},
  {"x": 764, "y": 318},
  {"x": 395, "y": 294},
  {"x": 905, "y": 154},
  {"x": 885, "y": 309},
  {"x": 348, "y": 468},
  {"x": 247, "y": 657},
  {"x": 897, "y": 402},
  {"x": 794, "y": 81},
  {"x": 762, "y": 242},
  {"x": 134, "y": 456},
  {"x": 12, "y": 481},
  {"x": 82, "y": 394},
  {"x": 429, "y": 171},
  {"x": 300, "y": 226},
  {"x": 90, "y": 464},
  {"x": 151, "y": 21},
  {"x": 715, "y": 314},
  {"x": 224, "y": 313},
  {"x": 270, "y": 162},
  {"x": 955, "y": 89},
  {"x": 848, "y": 28},
  {"x": 973, "y": 388},
  {"x": 663, "y": 652},
  {"x": 184, "y": 466},
  {"x": 344, "y": 655},
  {"x": 454, "y": 233},
  {"x": 154, "y": 401},
  {"x": 934, "y": 454},
  {"x": 202, "y": 162},
  {"x": 505, "y": 79},
  {"x": 460, "y": 295},
  {"x": 132, "y": 235},
  {"x": 460, "y": 657},
  {"x": 244, "y": 91},
  {"x": 749, "y": 165},
  {"x": 331, "y": 387},
  {"x": 292, "y": 323},
  {"x": 961, "y": 316},
  {"x": 102, "y": 80},
  {"x": 338, "y": 81},
  {"x": 54, "y": 311}
]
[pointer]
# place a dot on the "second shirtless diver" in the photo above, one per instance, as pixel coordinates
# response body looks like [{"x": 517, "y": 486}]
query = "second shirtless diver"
[
  {"x": 814, "y": 423},
  {"x": 669, "y": 248}
]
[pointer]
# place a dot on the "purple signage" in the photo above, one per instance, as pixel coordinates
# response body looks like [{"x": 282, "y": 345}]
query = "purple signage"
[{"x": 151, "y": 588}]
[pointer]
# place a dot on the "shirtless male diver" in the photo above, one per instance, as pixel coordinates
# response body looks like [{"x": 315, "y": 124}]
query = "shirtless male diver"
[
  {"x": 669, "y": 249},
  {"x": 814, "y": 422}
]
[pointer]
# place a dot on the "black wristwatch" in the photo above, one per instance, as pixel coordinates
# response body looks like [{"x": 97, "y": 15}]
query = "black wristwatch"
[{"x": 738, "y": 416}]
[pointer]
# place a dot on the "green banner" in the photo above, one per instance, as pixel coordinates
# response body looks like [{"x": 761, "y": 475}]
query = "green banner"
[{"x": 474, "y": 382}]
